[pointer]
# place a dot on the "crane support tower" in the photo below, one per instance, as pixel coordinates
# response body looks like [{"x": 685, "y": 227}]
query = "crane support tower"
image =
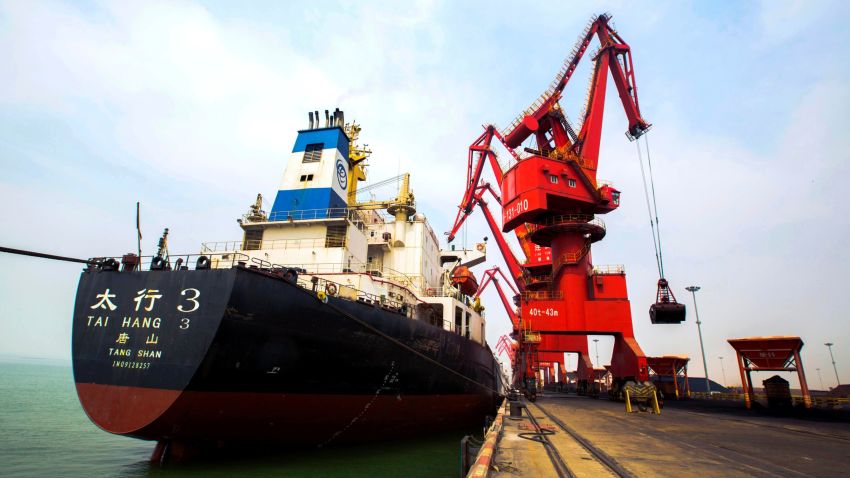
[{"x": 550, "y": 198}]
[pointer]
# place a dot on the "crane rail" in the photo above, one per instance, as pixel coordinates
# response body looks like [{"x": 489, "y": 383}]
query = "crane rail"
[
  {"x": 540, "y": 436},
  {"x": 609, "y": 462}
]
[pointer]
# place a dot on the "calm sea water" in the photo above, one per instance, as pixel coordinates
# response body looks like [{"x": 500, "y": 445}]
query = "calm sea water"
[{"x": 45, "y": 432}]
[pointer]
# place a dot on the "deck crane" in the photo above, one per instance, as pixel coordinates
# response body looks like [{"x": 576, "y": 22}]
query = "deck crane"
[{"x": 550, "y": 196}]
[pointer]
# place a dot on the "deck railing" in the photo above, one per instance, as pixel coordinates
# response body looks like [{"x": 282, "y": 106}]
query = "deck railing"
[
  {"x": 172, "y": 262},
  {"x": 604, "y": 270},
  {"x": 351, "y": 213},
  {"x": 331, "y": 240},
  {"x": 542, "y": 295},
  {"x": 310, "y": 214}
]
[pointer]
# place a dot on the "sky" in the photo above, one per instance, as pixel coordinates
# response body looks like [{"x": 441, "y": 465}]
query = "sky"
[{"x": 191, "y": 108}]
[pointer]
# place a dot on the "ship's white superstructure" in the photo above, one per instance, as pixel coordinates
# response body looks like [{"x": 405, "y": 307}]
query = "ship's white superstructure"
[{"x": 380, "y": 252}]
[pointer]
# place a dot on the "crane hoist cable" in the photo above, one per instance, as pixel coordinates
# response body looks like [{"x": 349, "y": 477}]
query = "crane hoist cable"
[
  {"x": 654, "y": 203},
  {"x": 656, "y": 237},
  {"x": 665, "y": 310}
]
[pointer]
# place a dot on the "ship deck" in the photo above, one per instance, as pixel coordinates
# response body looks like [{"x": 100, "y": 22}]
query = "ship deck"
[{"x": 590, "y": 437}]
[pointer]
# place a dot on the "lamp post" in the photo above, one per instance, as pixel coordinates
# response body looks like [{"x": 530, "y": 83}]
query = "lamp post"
[
  {"x": 723, "y": 369},
  {"x": 829, "y": 346},
  {"x": 820, "y": 378},
  {"x": 596, "y": 344},
  {"x": 693, "y": 290}
]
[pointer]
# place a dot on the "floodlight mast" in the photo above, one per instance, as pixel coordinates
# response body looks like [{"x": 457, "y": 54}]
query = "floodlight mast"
[
  {"x": 831, "y": 357},
  {"x": 693, "y": 290}
]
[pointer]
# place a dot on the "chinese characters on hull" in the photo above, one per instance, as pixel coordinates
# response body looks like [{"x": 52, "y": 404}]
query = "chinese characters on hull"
[{"x": 146, "y": 300}]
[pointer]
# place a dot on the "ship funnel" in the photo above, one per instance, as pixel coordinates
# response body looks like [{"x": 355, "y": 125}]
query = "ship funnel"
[
  {"x": 338, "y": 118},
  {"x": 310, "y": 114},
  {"x": 316, "y": 115},
  {"x": 327, "y": 119}
]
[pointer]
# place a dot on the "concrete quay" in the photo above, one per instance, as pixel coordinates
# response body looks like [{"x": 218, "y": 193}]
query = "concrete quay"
[{"x": 567, "y": 435}]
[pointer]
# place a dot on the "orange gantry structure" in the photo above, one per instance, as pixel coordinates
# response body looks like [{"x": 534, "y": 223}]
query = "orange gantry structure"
[
  {"x": 674, "y": 366},
  {"x": 767, "y": 354}
]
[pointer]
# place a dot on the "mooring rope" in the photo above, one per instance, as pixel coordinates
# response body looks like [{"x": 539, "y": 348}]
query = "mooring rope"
[
  {"x": 401, "y": 344},
  {"x": 42, "y": 255}
]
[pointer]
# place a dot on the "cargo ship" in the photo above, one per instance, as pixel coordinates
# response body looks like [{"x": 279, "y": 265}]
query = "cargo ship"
[{"x": 331, "y": 320}]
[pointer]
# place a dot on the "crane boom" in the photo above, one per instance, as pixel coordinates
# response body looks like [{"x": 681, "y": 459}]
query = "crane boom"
[
  {"x": 490, "y": 276},
  {"x": 545, "y": 114},
  {"x": 514, "y": 267}
]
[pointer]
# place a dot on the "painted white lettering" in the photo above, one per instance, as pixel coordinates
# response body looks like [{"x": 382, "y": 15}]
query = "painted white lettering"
[
  {"x": 104, "y": 302},
  {"x": 149, "y": 354},
  {"x": 193, "y": 300},
  {"x": 100, "y": 321},
  {"x": 141, "y": 322},
  {"x": 133, "y": 365},
  {"x": 151, "y": 294}
]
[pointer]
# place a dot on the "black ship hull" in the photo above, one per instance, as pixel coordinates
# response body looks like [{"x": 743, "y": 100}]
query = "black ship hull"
[{"x": 236, "y": 355}]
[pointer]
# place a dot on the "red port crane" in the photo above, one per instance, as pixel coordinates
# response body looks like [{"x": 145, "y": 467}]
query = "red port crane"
[{"x": 550, "y": 197}]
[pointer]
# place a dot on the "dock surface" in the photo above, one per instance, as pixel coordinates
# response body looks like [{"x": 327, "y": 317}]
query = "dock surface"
[{"x": 589, "y": 437}]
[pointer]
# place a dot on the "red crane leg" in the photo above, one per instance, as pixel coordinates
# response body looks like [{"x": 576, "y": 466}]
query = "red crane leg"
[
  {"x": 581, "y": 314},
  {"x": 584, "y": 369},
  {"x": 556, "y": 345},
  {"x": 562, "y": 373}
]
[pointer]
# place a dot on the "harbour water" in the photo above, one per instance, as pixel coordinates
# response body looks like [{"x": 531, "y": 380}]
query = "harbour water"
[{"x": 45, "y": 432}]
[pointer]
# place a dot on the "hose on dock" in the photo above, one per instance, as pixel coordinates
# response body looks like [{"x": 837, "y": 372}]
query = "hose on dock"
[{"x": 540, "y": 436}]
